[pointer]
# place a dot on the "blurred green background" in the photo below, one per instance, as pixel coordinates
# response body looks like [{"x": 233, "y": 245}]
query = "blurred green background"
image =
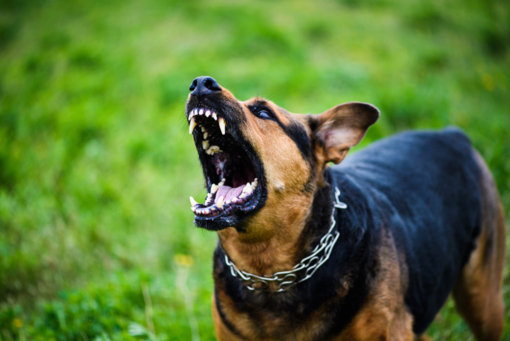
[{"x": 96, "y": 165}]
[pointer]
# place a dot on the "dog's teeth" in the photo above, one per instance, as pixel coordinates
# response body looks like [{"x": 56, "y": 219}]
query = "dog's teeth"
[
  {"x": 192, "y": 201},
  {"x": 221, "y": 123},
  {"x": 209, "y": 199},
  {"x": 213, "y": 150},
  {"x": 219, "y": 204},
  {"x": 206, "y": 134},
  {"x": 205, "y": 144},
  {"x": 254, "y": 183},
  {"x": 214, "y": 116},
  {"x": 201, "y": 112},
  {"x": 207, "y": 113},
  {"x": 222, "y": 182},
  {"x": 247, "y": 189},
  {"x": 202, "y": 129},
  {"x": 214, "y": 188},
  {"x": 192, "y": 125}
]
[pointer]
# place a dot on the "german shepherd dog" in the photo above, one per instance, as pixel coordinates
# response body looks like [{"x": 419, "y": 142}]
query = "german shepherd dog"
[{"x": 366, "y": 250}]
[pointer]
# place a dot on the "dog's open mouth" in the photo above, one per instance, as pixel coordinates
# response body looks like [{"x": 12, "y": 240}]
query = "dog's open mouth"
[{"x": 233, "y": 174}]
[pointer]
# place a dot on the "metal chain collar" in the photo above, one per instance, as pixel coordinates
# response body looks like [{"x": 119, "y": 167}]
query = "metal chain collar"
[{"x": 285, "y": 279}]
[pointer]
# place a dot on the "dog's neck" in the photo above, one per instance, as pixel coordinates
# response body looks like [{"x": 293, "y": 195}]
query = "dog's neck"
[{"x": 285, "y": 241}]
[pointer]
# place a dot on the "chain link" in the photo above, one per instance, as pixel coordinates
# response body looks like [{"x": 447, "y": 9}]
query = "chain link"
[{"x": 285, "y": 279}]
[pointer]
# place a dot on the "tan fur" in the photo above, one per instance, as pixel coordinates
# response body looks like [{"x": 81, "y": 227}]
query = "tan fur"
[
  {"x": 478, "y": 293},
  {"x": 424, "y": 338},
  {"x": 384, "y": 315},
  {"x": 269, "y": 244},
  {"x": 222, "y": 332}
]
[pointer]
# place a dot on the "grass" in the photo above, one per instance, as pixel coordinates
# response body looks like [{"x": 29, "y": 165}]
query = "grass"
[{"x": 96, "y": 236}]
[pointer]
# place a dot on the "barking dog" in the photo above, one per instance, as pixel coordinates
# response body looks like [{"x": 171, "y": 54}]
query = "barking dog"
[{"x": 367, "y": 250}]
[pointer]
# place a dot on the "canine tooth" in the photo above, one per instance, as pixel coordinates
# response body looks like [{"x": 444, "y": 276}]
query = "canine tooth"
[
  {"x": 254, "y": 183},
  {"x": 219, "y": 204},
  {"x": 201, "y": 112},
  {"x": 247, "y": 189},
  {"x": 214, "y": 188},
  {"x": 206, "y": 134},
  {"x": 202, "y": 129},
  {"x": 214, "y": 116},
  {"x": 205, "y": 144},
  {"x": 192, "y": 125},
  {"x": 222, "y": 182},
  {"x": 207, "y": 113},
  {"x": 193, "y": 202},
  {"x": 221, "y": 122}
]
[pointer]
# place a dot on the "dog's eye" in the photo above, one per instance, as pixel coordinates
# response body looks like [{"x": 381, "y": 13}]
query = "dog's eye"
[{"x": 263, "y": 114}]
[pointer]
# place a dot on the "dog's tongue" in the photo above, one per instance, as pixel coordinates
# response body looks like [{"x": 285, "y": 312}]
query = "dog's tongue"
[{"x": 228, "y": 193}]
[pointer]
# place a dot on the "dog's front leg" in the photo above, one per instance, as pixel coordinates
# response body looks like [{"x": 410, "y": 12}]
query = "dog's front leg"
[{"x": 384, "y": 315}]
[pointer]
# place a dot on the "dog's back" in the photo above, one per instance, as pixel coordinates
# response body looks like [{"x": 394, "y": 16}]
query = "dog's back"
[{"x": 428, "y": 189}]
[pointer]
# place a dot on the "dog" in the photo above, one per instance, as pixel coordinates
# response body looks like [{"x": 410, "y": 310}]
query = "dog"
[{"x": 369, "y": 249}]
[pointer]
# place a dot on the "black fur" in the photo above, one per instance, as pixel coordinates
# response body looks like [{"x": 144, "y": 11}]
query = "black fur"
[
  {"x": 422, "y": 189},
  {"x": 425, "y": 186},
  {"x": 295, "y": 131},
  {"x": 299, "y": 135}
]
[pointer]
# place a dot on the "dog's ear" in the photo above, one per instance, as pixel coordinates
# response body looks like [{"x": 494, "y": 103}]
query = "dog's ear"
[{"x": 338, "y": 129}]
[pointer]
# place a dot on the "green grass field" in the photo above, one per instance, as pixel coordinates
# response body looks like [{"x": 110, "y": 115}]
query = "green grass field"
[{"x": 96, "y": 165}]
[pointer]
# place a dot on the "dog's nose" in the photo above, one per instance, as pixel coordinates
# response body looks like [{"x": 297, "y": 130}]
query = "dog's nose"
[{"x": 204, "y": 85}]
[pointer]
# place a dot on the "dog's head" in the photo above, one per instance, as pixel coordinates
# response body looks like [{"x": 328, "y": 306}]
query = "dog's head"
[{"x": 261, "y": 163}]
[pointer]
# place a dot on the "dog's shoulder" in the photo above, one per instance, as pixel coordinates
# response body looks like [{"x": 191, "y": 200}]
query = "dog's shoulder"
[{"x": 423, "y": 187}]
